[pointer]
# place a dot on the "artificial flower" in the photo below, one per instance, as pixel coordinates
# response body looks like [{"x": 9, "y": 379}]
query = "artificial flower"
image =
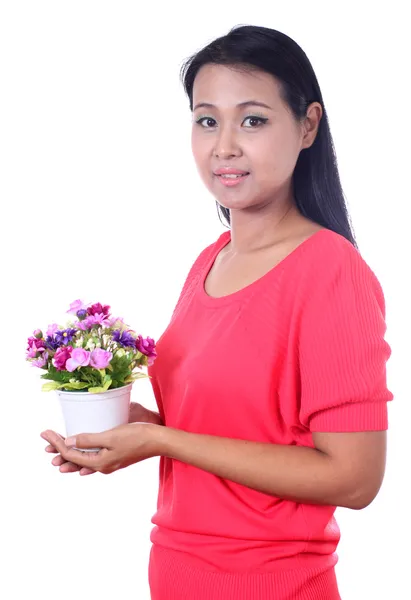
[
  {"x": 79, "y": 358},
  {"x": 61, "y": 357},
  {"x": 100, "y": 358}
]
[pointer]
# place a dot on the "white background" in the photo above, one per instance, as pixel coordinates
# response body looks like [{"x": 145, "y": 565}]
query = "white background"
[{"x": 101, "y": 200}]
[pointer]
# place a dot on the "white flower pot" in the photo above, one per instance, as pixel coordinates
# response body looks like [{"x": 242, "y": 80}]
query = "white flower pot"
[{"x": 84, "y": 412}]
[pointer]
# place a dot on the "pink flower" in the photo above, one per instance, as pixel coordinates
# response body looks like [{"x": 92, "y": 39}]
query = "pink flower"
[
  {"x": 61, "y": 357},
  {"x": 100, "y": 358},
  {"x": 34, "y": 346},
  {"x": 147, "y": 346},
  {"x": 52, "y": 329},
  {"x": 110, "y": 321},
  {"x": 98, "y": 308},
  {"x": 31, "y": 351},
  {"x": 89, "y": 322},
  {"x": 96, "y": 319},
  {"x": 79, "y": 358},
  {"x": 76, "y": 306},
  {"x": 41, "y": 361},
  {"x": 38, "y": 343}
]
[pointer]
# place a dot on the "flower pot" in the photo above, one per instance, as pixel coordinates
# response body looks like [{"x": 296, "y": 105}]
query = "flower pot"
[{"x": 84, "y": 412}]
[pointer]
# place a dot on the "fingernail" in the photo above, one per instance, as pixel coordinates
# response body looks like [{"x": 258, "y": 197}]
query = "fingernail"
[{"x": 70, "y": 441}]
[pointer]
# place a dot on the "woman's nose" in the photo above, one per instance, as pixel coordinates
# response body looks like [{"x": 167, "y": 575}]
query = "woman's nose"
[{"x": 226, "y": 144}]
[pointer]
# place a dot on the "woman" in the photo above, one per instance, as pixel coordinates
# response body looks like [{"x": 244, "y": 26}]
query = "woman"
[{"x": 271, "y": 376}]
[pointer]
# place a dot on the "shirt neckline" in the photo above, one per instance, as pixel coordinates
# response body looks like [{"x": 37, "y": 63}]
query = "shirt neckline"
[{"x": 223, "y": 241}]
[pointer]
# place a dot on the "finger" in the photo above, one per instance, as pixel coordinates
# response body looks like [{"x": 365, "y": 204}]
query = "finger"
[
  {"x": 69, "y": 467},
  {"x": 50, "y": 448},
  {"x": 45, "y": 435},
  {"x": 85, "y": 471},
  {"x": 90, "y": 440},
  {"x": 58, "y": 461},
  {"x": 83, "y": 459}
]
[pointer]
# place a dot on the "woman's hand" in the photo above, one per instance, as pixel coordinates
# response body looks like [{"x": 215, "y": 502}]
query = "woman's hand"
[
  {"x": 120, "y": 447},
  {"x": 143, "y": 415},
  {"x": 59, "y": 461},
  {"x": 138, "y": 413}
]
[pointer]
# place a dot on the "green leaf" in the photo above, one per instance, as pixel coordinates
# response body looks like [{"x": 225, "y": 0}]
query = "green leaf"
[
  {"x": 75, "y": 385},
  {"x": 121, "y": 367},
  {"x": 99, "y": 390},
  {"x": 51, "y": 385},
  {"x": 134, "y": 377},
  {"x": 54, "y": 375}
]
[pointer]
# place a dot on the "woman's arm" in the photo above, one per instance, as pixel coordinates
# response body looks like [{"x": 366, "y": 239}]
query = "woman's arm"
[{"x": 344, "y": 469}]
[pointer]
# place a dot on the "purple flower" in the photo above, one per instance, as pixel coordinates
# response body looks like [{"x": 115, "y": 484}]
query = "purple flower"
[
  {"x": 41, "y": 361},
  {"x": 51, "y": 343},
  {"x": 100, "y": 358},
  {"x": 124, "y": 338},
  {"x": 81, "y": 314},
  {"x": 79, "y": 358},
  {"x": 76, "y": 306},
  {"x": 61, "y": 357},
  {"x": 65, "y": 336},
  {"x": 147, "y": 346},
  {"x": 98, "y": 309}
]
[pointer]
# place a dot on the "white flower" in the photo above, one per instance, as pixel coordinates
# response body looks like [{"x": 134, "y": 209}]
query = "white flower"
[{"x": 90, "y": 345}]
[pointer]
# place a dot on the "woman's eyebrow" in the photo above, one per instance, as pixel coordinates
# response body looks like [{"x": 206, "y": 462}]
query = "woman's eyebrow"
[{"x": 240, "y": 105}]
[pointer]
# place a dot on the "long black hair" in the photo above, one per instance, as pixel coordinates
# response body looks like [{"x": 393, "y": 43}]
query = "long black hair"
[{"x": 317, "y": 187}]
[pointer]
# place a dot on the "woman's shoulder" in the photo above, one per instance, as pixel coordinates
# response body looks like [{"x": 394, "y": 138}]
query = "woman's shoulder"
[
  {"x": 333, "y": 261},
  {"x": 203, "y": 256},
  {"x": 212, "y": 247},
  {"x": 332, "y": 251}
]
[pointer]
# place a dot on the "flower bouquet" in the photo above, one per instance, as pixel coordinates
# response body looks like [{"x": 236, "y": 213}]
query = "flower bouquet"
[{"x": 92, "y": 364}]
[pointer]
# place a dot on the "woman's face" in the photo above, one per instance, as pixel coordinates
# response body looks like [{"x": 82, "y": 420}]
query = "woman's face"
[{"x": 263, "y": 141}]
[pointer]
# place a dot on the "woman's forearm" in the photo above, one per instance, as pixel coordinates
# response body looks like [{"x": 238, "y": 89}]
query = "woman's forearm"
[{"x": 296, "y": 473}]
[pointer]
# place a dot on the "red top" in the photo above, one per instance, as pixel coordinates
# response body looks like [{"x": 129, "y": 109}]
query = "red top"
[{"x": 300, "y": 350}]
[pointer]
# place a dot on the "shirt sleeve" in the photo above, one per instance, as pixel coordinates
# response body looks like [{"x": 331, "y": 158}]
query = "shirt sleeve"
[{"x": 342, "y": 351}]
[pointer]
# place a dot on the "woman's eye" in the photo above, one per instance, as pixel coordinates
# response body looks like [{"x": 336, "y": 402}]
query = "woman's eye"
[
  {"x": 260, "y": 120},
  {"x": 200, "y": 121}
]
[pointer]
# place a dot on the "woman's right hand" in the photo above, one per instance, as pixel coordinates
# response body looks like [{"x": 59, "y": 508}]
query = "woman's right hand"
[{"x": 137, "y": 413}]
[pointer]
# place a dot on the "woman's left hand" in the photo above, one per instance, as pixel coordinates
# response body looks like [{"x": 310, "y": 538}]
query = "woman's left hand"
[{"x": 120, "y": 447}]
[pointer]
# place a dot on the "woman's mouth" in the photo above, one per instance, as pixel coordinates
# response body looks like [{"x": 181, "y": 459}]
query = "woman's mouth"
[{"x": 230, "y": 180}]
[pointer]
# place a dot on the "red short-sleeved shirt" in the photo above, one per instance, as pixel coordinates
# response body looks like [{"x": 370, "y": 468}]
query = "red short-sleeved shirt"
[{"x": 301, "y": 349}]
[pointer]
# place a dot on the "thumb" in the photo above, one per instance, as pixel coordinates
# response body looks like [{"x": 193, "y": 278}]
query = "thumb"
[{"x": 87, "y": 440}]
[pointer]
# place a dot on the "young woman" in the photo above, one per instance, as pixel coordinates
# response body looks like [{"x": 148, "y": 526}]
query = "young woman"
[{"x": 271, "y": 375}]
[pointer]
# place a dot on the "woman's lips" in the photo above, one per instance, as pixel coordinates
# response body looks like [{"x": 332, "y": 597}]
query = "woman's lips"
[{"x": 232, "y": 181}]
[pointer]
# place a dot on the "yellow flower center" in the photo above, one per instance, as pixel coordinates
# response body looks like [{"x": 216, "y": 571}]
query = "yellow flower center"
[{"x": 64, "y": 334}]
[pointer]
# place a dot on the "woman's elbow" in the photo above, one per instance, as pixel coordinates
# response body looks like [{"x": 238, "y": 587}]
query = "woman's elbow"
[{"x": 362, "y": 496}]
